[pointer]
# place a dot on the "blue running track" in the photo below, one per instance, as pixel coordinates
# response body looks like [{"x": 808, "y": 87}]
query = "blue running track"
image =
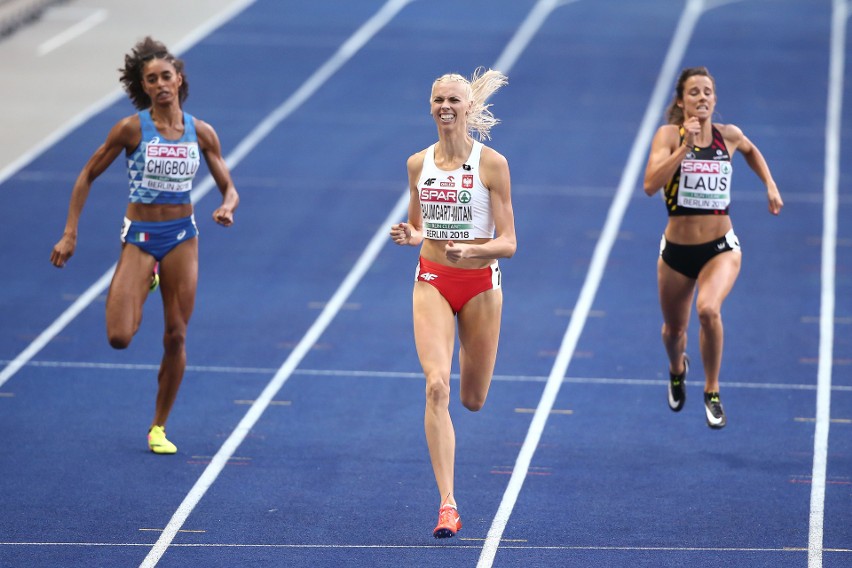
[{"x": 299, "y": 423}]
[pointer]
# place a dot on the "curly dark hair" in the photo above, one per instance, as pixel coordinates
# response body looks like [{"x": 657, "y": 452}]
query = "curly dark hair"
[
  {"x": 674, "y": 114},
  {"x": 134, "y": 62}
]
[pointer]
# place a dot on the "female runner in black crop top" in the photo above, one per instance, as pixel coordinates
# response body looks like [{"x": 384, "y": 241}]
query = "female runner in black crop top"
[{"x": 699, "y": 247}]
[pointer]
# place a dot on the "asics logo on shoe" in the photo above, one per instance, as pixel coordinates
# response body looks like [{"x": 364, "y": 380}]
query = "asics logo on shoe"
[{"x": 428, "y": 276}]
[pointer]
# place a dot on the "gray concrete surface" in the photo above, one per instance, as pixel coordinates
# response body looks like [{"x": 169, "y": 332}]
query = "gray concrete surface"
[{"x": 57, "y": 70}]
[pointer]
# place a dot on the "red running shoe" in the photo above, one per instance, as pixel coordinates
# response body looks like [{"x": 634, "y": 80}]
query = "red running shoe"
[{"x": 449, "y": 522}]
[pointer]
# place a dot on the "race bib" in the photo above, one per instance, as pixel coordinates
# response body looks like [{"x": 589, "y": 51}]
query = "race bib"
[
  {"x": 447, "y": 213},
  {"x": 704, "y": 184},
  {"x": 170, "y": 167}
]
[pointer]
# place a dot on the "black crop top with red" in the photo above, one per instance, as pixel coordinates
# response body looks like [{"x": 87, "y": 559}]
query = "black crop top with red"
[{"x": 702, "y": 183}]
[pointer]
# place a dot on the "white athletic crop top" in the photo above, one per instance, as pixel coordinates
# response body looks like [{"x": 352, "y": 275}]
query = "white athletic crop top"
[{"x": 455, "y": 204}]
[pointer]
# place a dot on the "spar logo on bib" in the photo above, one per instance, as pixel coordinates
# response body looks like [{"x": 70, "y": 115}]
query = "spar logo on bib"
[
  {"x": 167, "y": 151},
  {"x": 435, "y": 195},
  {"x": 701, "y": 167},
  {"x": 705, "y": 167}
]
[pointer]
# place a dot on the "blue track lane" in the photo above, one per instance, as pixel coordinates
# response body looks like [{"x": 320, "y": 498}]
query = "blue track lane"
[{"x": 336, "y": 472}]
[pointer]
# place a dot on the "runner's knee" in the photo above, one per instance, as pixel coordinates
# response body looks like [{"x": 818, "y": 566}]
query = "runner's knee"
[
  {"x": 437, "y": 390},
  {"x": 709, "y": 314},
  {"x": 119, "y": 340},
  {"x": 120, "y": 334},
  {"x": 473, "y": 401},
  {"x": 673, "y": 332},
  {"x": 174, "y": 339}
]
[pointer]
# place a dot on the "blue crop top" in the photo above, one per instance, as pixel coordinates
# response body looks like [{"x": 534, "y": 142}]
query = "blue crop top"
[{"x": 160, "y": 170}]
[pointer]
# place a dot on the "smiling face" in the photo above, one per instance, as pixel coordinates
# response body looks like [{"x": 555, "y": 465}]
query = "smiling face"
[
  {"x": 450, "y": 104},
  {"x": 699, "y": 97},
  {"x": 161, "y": 81}
]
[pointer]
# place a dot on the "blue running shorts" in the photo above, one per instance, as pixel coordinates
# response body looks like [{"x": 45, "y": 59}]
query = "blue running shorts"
[{"x": 158, "y": 238}]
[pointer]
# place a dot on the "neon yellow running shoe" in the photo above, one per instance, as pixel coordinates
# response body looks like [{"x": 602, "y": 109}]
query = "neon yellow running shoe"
[
  {"x": 155, "y": 278},
  {"x": 158, "y": 443}
]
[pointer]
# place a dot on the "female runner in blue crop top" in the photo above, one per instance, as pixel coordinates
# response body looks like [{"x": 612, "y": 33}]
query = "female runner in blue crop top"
[{"x": 162, "y": 144}]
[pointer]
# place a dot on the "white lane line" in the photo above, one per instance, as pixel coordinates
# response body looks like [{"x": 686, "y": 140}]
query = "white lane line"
[
  {"x": 369, "y": 29},
  {"x": 525, "y": 33},
  {"x": 71, "y": 33},
  {"x": 56, "y": 327},
  {"x": 359, "y": 374},
  {"x": 453, "y": 546},
  {"x": 686, "y": 25},
  {"x": 834, "y": 114}
]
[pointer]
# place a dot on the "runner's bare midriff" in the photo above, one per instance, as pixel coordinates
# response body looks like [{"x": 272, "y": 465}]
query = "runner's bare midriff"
[
  {"x": 157, "y": 212},
  {"x": 697, "y": 229},
  {"x": 433, "y": 250}
]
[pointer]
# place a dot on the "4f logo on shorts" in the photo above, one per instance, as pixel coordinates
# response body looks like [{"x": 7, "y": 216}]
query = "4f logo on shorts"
[{"x": 428, "y": 276}]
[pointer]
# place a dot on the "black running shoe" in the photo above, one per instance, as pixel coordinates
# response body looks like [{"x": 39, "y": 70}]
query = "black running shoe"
[
  {"x": 677, "y": 386},
  {"x": 715, "y": 413}
]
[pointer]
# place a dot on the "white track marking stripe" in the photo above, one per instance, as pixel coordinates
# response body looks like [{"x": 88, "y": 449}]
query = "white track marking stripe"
[
  {"x": 218, "y": 462},
  {"x": 73, "y": 32},
  {"x": 829, "y": 248},
  {"x": 668, "y": 73}
]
